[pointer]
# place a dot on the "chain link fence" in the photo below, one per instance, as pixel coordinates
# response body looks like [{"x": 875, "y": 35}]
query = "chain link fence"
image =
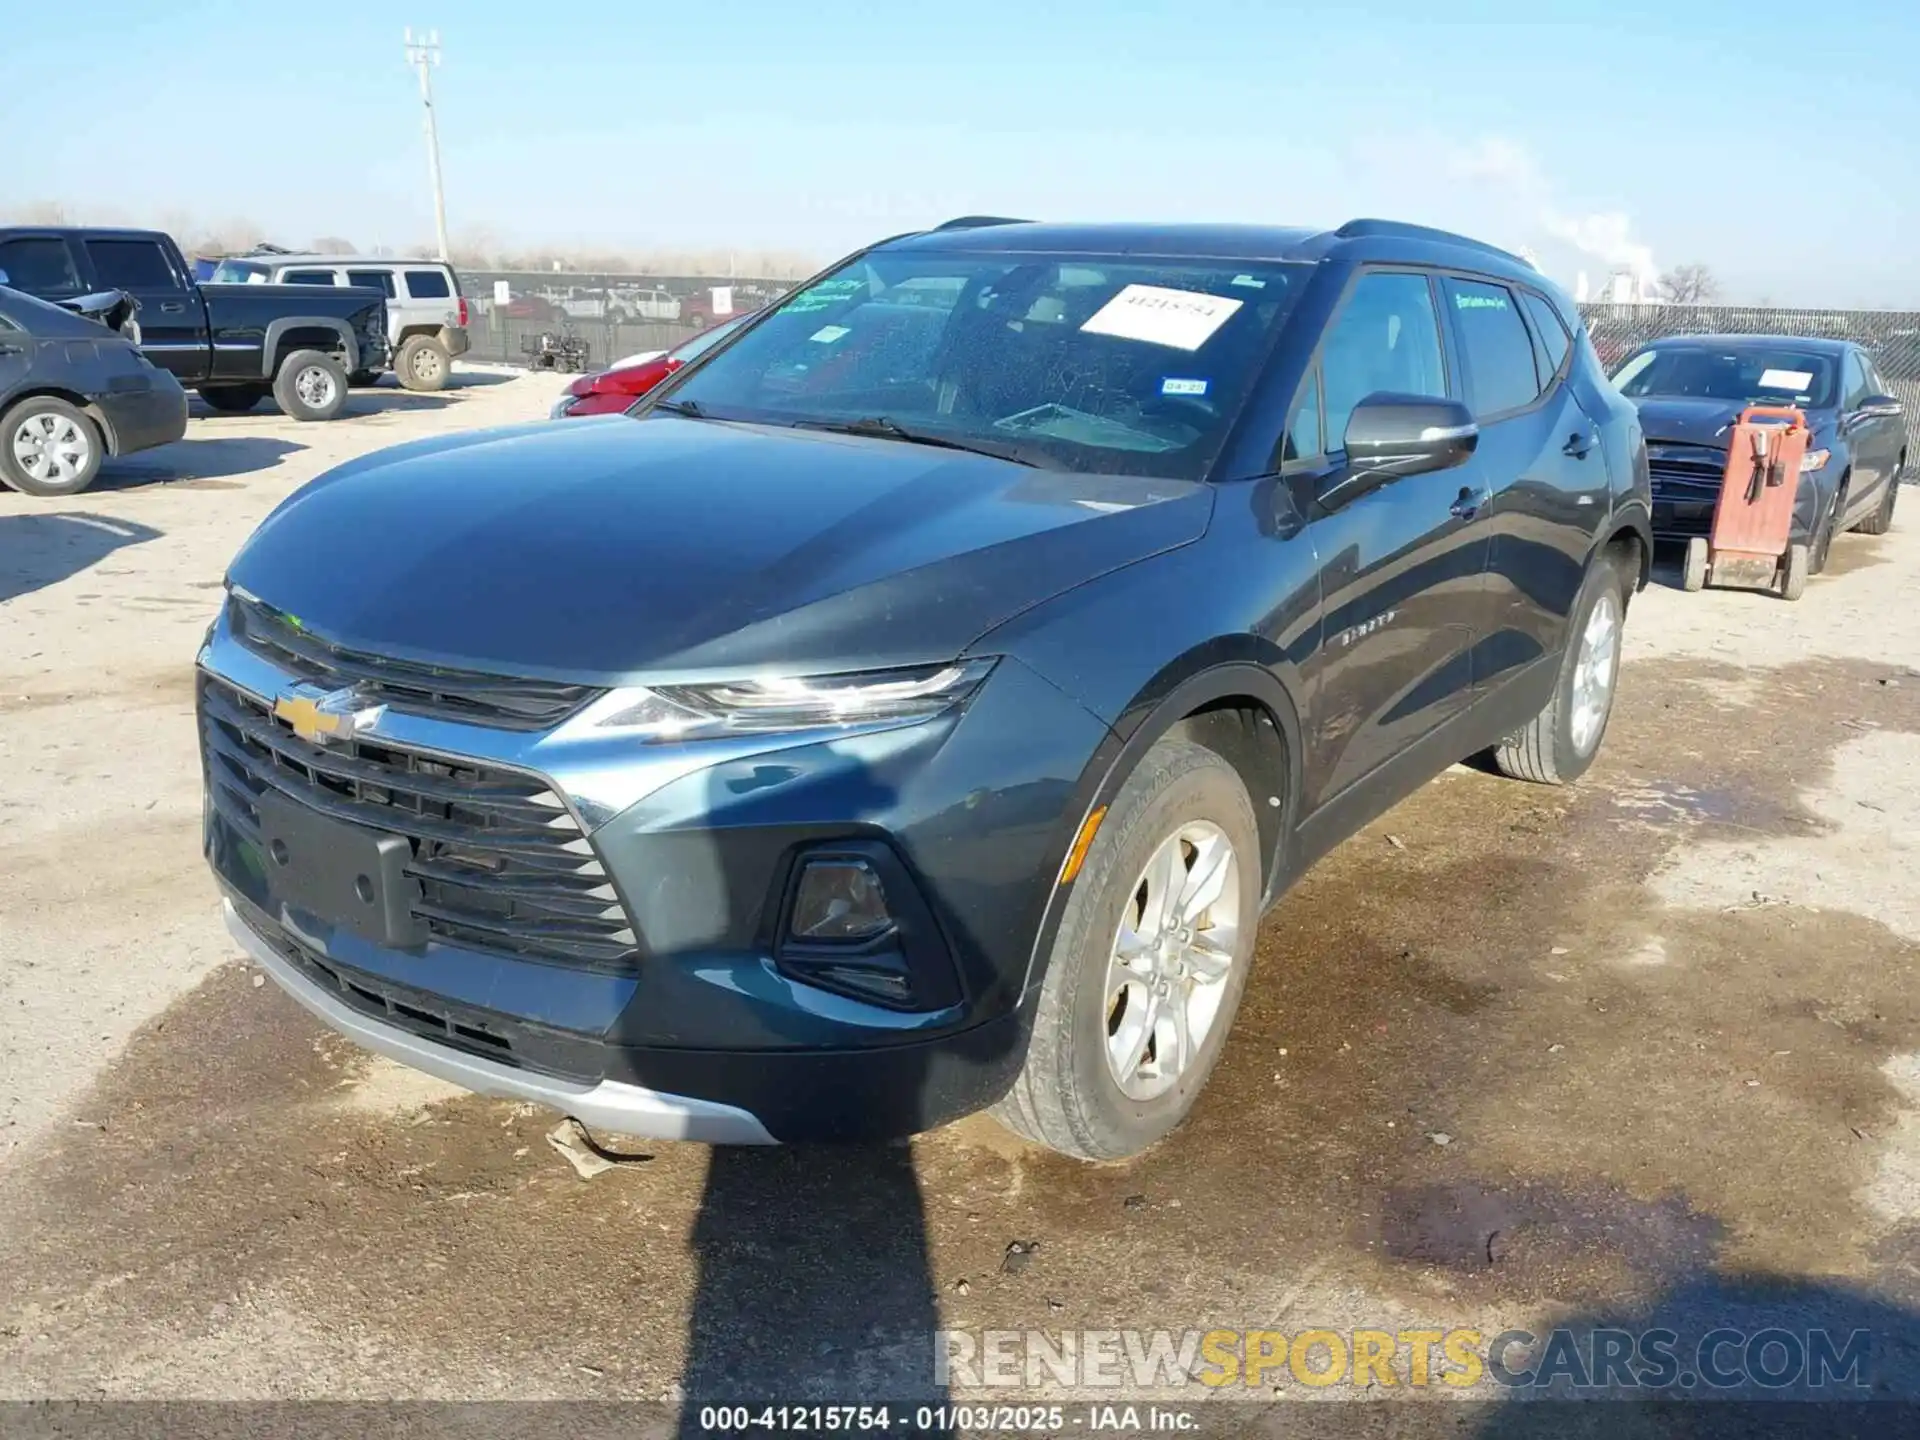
[
  {"x": 1891, "y": 337},
  {"x": 612, "y": 316}
]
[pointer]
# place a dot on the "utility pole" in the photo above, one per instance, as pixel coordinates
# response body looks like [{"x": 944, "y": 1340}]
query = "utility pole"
[{"x": 423, "y": 54}]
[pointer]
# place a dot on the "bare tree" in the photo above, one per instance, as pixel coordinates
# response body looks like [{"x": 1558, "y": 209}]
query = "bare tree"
[
  {"x": 1689, "y": 285},
  {"x": 332, "y": 245}
]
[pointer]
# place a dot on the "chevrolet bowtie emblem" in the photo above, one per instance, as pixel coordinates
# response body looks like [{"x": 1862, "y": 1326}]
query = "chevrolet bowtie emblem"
[{"x": 322, "y": 716}]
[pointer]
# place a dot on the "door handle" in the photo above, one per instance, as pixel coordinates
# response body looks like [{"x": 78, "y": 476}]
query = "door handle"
[
  {"x": 1577, "y": 446},
  {"x": 173, "y": 307},
  {"x": 1467, "y": 504}
]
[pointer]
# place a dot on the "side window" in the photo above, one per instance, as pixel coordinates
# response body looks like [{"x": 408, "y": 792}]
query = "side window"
[
  {"x": 39, "y": 265},
  {"x": 132, "y": 265},
  {"x": 1499, "y": 353},
  {"x": 428, "y": 285},
  {"x": 381, "y": 280},
  {"x": 1549, "y": 330},
  {"x": 307, "y": 277},
  {"x": 1303, "y": 427},
  {"x": 1385, "y": 338}
]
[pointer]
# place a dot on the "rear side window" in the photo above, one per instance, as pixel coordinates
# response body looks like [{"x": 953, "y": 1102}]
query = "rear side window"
[
  {"x": 1499, "y": 352},
  {"x": 40, "y": 265},
  {"x": 132, "y": 265},
  {"x": 1549, "y": 330},
  {"x": 1386, "y": 338},
  {"x": 307, "y": 277},
  {"x": 381, "y": 280},
  {"x": 428, "y": 285}
]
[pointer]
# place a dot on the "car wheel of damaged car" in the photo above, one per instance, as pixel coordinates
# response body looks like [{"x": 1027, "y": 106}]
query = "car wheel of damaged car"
[
  {"x": 311, "y": 386},
  {"x": 1561, "y": 741},
  {"x": 1881, "y": 520},
  {"x": 1829, "y": 527},
  {"x": 1694, "y": 575},
  {"x": 48, "y": 448},
  {"x": 233, "y": 399},
  {"x": 1149, "y": 963},
  {"x": 422, "y": 363}
]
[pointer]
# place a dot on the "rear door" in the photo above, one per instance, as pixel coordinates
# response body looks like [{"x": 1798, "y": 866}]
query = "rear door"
[
  {"x": 430, "y": 298},
  {"x": 1402, "y": 565},
  {"x": 1542, "y": 459},
  {"x": 172, "y": 321},
  {"x": 1873, "y": 440}
]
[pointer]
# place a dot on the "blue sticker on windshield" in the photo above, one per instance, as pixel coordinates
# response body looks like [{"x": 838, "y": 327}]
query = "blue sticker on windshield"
[
  {"x": 1249, "y": 282},
  {"x": 1171, "y": 386}
]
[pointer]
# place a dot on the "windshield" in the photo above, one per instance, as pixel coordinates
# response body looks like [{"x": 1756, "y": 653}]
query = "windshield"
[
  {"x": 1121, "y": 365},
  {"x": 1762, "y": 374},
  {"x": 241, "y": 272}
]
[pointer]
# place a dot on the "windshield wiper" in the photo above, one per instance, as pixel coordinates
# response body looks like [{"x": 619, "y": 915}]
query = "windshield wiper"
[
  {"x": 881, "y": 427},
  {"x": 692, "y": 409}
]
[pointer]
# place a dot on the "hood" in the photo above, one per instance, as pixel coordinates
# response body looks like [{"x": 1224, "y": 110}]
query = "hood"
[
  {"x": 612, "y": 550},
  {"x": 1687, "y": 420}
]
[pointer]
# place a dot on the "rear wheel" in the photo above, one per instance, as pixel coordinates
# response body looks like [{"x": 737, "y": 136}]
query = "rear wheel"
[
  {"x": 1560, "y": 742},
  {"x": 1694, "y": 575},
  {"x": 423, "y": 363},
  {"x": 48, "y": 448},
  {"x": 311, "y": 386},
  {"x": 1881, "y": 520},
  {"x": 233, "y": 399},
  {"x": 1147, "y": 969}
]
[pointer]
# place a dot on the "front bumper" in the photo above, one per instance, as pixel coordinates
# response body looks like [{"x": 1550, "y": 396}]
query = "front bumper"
[{"x": 707, "y": 1024}]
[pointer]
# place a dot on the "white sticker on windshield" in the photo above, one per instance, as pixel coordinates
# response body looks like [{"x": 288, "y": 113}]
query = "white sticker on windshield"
[
  {"x": 827, "y": 334},
  {"x": 1181, "y": 319},
  {"x": 1794, "y": 380},
  {"x": 1171, "y": 386}
]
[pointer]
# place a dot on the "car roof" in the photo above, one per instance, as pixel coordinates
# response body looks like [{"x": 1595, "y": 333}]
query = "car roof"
[
  {"x": 1814, "y": 344},
  {"x": 1360, "y": 240},
  {"x": 358, "y": 262}
]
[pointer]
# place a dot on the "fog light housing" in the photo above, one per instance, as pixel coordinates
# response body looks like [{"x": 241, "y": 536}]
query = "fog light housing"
[{"x": 840, "y": 900}]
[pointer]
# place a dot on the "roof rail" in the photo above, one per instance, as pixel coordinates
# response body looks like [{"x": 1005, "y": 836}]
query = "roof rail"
[
  {"x": 1400, "y": 229},
  {"x": 975, "y": 222}
]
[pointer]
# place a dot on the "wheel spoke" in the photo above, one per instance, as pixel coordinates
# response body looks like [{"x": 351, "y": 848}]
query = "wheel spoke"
[
  {"x": 1182, "y": 1046},
  {"x": 1206, "y": 880},
  {"x": 1208, "y": 959},
  {"x": 1163, "y": 884},
  {"x": 1134, "y": 1048}
]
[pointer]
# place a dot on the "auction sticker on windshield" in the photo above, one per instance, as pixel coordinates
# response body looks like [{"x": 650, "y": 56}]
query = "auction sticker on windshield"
[
  {"x": 1794, "y": 380},
  {"x": 1181, "y": 319}
]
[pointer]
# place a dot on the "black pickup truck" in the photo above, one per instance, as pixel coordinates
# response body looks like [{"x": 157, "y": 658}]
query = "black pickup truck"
[{"x": 233, "y": 343}]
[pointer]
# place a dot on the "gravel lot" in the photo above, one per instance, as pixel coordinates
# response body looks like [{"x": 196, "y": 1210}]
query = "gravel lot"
[{"x": 1643, "y": 1050}]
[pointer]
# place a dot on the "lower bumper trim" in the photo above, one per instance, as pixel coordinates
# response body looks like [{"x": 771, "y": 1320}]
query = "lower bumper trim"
[{"x": 610, "y": 1105}]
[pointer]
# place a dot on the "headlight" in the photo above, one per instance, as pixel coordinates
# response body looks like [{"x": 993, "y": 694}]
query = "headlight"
[
  {"x": 788, "y": 703},
  {"x": 1812, "y": 460}
]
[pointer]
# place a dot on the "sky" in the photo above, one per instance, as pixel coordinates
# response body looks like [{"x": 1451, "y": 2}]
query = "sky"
[{"x": 1776, "y": 143}]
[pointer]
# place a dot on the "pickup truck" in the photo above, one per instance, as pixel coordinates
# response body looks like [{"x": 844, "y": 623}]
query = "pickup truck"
[{"x": 235, "y": 344}]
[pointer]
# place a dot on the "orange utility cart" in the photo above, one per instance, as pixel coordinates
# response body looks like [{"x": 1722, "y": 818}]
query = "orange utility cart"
[{"x": 1751, "y": 547}]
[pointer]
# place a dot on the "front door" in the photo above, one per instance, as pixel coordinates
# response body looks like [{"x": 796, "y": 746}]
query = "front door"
[{"x": 1402, "y": 566}]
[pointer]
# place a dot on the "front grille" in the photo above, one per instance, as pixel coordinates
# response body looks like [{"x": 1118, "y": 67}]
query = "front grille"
[
  {"x": 502, "y": 863},
  {"x": 498, "y": 701}
]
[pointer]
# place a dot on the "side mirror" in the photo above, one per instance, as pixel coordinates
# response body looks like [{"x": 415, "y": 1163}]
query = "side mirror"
[
  {"x": 1390, "y": 436},
  {"x": 1874, "y": 407},
  {"x": 4, "y": 279}
]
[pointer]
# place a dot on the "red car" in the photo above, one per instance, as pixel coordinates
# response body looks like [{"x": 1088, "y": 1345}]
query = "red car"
[{"x": 614, "y": 390}]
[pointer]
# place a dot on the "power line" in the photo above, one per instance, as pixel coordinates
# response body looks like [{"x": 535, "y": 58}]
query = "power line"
[{"x": 424, "y": 54}]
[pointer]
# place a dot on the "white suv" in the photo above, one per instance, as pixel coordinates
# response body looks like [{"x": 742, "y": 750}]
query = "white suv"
[{"x": 426, "y": 313}]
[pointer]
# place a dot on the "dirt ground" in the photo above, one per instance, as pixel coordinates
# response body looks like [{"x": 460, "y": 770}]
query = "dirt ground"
[{"x": 1645, "y": 1050}]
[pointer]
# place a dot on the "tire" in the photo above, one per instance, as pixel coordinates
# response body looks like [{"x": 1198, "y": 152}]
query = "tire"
[
  {"x": 1823, "y": 537},
  {"x": 311, "y": 386},
  {"x": 1185, "y": 802},
  {"x": 1881, "y": 520},
  {"x": 1794, "y": 582},
  {"x": 422, "y": 364},
  {"x": 49, "y": 448},
  {"x": 1694, "y": 575},
  {"x": 233, "y": 399},
  {"x": 1560, "y": 743}
]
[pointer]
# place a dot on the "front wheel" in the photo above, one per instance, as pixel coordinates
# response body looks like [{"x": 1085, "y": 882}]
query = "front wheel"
[
  {"x": 1793, "y": 582},
  {"x": 311, "y": 386},
  {"x": 1823, "y": 537},
  {"x": 1694, "y": 575},
  {"x": 48, "y": 448},
  {"x": 1560, "y": 742},
  {"x": 1147, "y": 969}
]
